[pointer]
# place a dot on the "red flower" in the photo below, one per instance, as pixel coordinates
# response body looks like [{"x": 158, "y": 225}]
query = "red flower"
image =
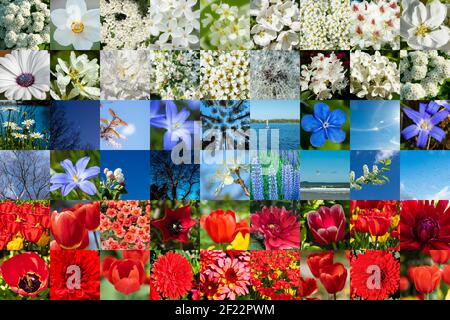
[
  {"x": 333, "y": 277},
  {"x": 440, "y": 256},
  {"x": 316, "y": 261},
  {"x": 425, "y": 225},
  {"x": 308, "y": 286},
  {"x": 68, "y": 228},
  {"x": 220, "y": 225},
  {"x": 176, "y": 224},
  {"x": 172, "y": 275},
  {"x": 379, "y": 225},
  {"x": 279, "y": 227},
  {"x": 66, "y": 264},
  {"x": 127, "y": 275},
  {"x": 426, "y": 278},
  {"x": 404, "y": 283},
  {"x": 32, "y": 233},
  {"x": 327, "y": 225},
  {"x": 374, "y": 275},
  {"x": 26, "y": 274},
  {"x": 92, "y": 215},
  {"x": 138, "y": 255},
  {"x": 446, "y": 274}
]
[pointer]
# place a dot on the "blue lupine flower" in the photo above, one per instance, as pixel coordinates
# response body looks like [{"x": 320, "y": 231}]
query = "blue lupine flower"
[
  {"x": 75, "y": 177},
  {"x": 273, "y": 184},
  {"x": 324, "y": 125},
  {"x": 177, "y": 126},
  {"x": 286, "y": 181},
  {"x": 425, "y": 124},
  {"x": 296, "y": 185},
  {"x": 257, "y": 182}
]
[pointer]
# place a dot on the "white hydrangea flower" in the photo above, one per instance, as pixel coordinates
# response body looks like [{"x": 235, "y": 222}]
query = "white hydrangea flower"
[
  {"x": 373, "y": 76},
  {"x": 125, "y": 74}
]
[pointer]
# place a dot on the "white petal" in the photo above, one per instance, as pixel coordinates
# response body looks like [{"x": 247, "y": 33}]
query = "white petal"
[
  {"x": 59, "y": 17},
  {"x": 91, "y": 18},
  {"x": 436, "y": 13},
  {"x": 77, "y": 3},
  {"x": 82, "y": 44},
  {"x": 10, "y": 65},
  {"x": 91, "y": 33},
  {"x": 64, "y": 37},
  {"x": 419, "y": 14}
]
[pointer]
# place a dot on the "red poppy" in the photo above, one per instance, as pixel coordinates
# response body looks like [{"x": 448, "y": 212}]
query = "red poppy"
[
  {"x": 333, "y": 277},
  {"x": 176, "y": 224},
  {"x": 64, "y": 281},
  {"x": 426, "y": 278},
  {"x": 316, "y": 261},
  {"x": 440, "y": 256},
  {"x": 221, "y": 225},
  {"x": 446, "y": 274},
  {"x": 327, "y": 225},
  {"x": 127, "y": 275},
  {"x": 172, "y": 275},
  {"x": 26, "y": 274},
  {"x": 68, "y": 228}
]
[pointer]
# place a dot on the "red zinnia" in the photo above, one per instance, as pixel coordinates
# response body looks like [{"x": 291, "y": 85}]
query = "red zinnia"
[
  {"x": 64, "y": 284},
  {"x": 374, "y": 275},
  {"x": 176, "y": 224},
  {"x": 172, "y": 275},
  {"x": 425, "y": 225}
]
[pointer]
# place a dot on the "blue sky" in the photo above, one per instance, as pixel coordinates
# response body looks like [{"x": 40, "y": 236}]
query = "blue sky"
[
  {"x": 324, "y": 166},
  {"x": 375, "y": 125},
  {"x": 425, "y": 175},
  {"x": 137, "y": 115},
  {"x": 274, "y": 109},
  {"x": 84, "y": 116},
  {"x": 135, "y": 167},
  {"x": 388, "y": 191}
]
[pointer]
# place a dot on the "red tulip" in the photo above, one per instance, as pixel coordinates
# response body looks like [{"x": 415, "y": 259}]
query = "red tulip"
[
  {"x": 68, "y": 228},
  {"x": 137, "y": 255},
  {"x": 426, "y": 278},
  {"x": 333, "y": 277},
  {"x": 362, "y": 224},
  {"x": 126, "y": 275},
  {"x": 308, "y": 286},
  {"x": 317, "y": 261},
  {"x": 404, "y": 283},
  {"x": 327, "y": 225},
  {"x": 446, "y": 274},
  {"x": 379, "y": 225},
  {"x": 221, "y": 226},
  {"x": 4, "y": 239},
  {"x": 440, "y": 256},
  {"x": 26, "y": 274},
  {"x": 54, "y": 245},
  {"x": 32, "y": 233},
  {"x": 242, "y": 227},
  {"x": 92, "y": 215}
]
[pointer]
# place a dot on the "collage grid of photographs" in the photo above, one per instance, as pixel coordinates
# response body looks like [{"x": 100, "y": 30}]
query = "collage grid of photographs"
[{"x": 224, "y": 149}]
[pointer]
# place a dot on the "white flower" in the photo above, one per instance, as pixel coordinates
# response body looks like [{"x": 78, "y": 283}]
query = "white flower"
[
  {"x": 75, "y": 25},
  {"x": 25, "y": 74},
  {"x": 28, "y": 122},
  {"x": 423, "y": 27},
  {"x": 36, "y": 135},
  {"x": 118, "y": 171},
  {"x": 262, "y": 36}
]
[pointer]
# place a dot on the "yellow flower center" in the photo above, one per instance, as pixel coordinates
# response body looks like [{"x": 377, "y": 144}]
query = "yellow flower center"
[
  {"x": 422, "y": 30},
  {"x": 75, "y": 178},
  {"x": 77, "y": 26},
  {"x": 425, "y": 125}
]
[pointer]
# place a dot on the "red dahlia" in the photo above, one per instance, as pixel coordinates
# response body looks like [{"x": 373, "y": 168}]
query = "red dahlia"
[{"x": 374, "y": 275}]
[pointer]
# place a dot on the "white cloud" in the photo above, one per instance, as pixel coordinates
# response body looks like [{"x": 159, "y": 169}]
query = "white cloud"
[
  {"x": 129, "y": 130},
  {"x": 385, "y": 154},
  {"x": 443, "y": 194}
]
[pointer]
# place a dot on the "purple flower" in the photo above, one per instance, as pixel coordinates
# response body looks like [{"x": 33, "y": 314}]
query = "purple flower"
[
  {"x": 425, "y": 124},
  {"x": 177, "y": 126},
  {"x": 324, "y": 125},
  {"x": 75, "y": 177}
]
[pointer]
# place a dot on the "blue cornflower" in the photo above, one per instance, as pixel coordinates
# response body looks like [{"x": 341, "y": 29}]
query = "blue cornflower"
[
  {"x": 177, "y": 126},
  {"x": 75, "y": 177},
  {"x": 324, "y": 124},
  {"x": 425, "y": 124}
]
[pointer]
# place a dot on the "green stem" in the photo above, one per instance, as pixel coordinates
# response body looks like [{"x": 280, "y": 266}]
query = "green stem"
[
  {"x": 334, "y": 246},
  {"x": 428, "y": 143}
]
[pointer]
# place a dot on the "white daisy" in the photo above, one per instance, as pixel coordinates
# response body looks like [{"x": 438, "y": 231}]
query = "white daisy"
[
  {"x": 25, "y": 74},
  {"x": 75, "y": 25}
]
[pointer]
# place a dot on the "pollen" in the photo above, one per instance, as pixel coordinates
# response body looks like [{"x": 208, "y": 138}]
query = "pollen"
[
  {"x": 422, "y": 30},
  {"x": 77, "y": 26}
]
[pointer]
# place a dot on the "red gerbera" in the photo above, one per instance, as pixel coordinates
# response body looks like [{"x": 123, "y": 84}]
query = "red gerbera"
[
  {"x": 64, "y": 284},
  {"x": 374, "y": 275},
  {"x": 425, "y": 225},
  {"x": 176, "y": 224},
  {"x": 172, "y": 275}
]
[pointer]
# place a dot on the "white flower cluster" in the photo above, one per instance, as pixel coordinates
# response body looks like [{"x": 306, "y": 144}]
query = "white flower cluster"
[
  {"x": 224, "y": 74},
  {"x": 375, "y": 24},
  {"x": 80, "y": 73},
  {"x": 125, "y": 74},
  {"x": 175, "y": 75},
  {"x": 229, "y": 29},
  {"x": 324, "y": 25},
  {"x": 24, "y": 24},
  {"x": 174, "y": 24},
  {"x": 423, "y": 73},
  {"x": 276, "y": 24},
  {"x": 373, "y": 76},
  {"x": 274, "y": 74},
  {"x": 324, "y": 76},
  {"x": 123, "y": 25}
]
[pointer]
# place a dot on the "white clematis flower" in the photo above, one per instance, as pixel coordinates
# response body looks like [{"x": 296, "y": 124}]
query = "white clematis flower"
[{"x": 75, "y": 25}]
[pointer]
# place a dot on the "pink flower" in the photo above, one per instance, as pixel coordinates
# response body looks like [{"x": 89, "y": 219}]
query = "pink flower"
[
  {"x": 279, "y": 227},
  {"x": 233, "y": 277},
  {"x": 327, "y": 225}
]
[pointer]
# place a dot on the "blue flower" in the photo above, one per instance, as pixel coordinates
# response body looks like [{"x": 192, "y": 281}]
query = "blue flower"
[
  {"x": 324, "y": 125},
  {"x": 75, "y": 177},
  {"x": 177, "y": 126},
  {"x": 425, "y": 123}
]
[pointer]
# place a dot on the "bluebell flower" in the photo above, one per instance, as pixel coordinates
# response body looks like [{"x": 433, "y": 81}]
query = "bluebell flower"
[
  {"x": 77, "y": 176},
  {"x": 425, "y": 124},
  {"x": 324, "y": 125}
]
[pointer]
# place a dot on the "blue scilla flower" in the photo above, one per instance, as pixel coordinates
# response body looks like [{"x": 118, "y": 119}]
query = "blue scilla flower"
[{"x": 324, "y": 125}]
